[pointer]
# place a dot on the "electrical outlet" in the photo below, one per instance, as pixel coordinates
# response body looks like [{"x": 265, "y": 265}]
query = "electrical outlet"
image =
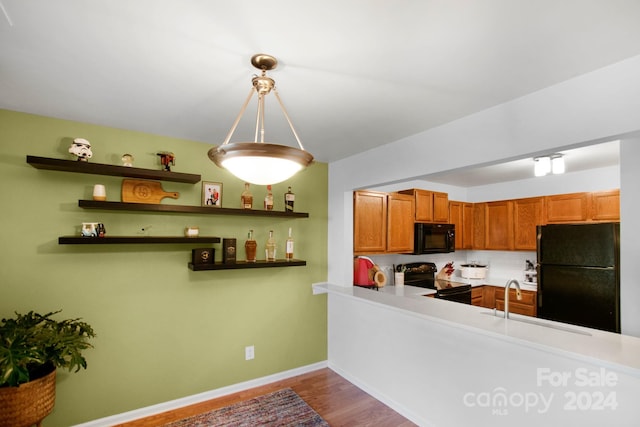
[{"x": 249, "y": 352}]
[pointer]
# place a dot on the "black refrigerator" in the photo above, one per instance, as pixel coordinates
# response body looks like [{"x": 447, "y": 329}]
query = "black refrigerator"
[{"x": 579, "y": 274}]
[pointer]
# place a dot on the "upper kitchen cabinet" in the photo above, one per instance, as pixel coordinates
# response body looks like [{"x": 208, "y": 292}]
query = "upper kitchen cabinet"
[
  {"x": 382, "y": 223},
  {"x": 461, "y": 215},
  {"x": 430, "y": 206},
  {"x": 499, "y": 225},
  {"x": 479, "y": 225},
  {"x": 564, "y": 208},
  {"x": 583, "y": 207},
  {"x": 369, "y": 222},
  {"x": 527, "y": 214},
  {"x": 400, "y": 212},
  {"x": 605, "y": 205}
]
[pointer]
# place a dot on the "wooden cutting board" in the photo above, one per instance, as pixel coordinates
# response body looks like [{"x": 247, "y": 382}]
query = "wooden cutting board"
[{"x": 143, "y": 191}]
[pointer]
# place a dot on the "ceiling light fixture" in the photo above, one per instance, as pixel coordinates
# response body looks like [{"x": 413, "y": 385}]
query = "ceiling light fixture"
[
  {"x": 259, "y": 162},
  {"x": 557, "y": 164},
  {"x": 548, "y": 164}
]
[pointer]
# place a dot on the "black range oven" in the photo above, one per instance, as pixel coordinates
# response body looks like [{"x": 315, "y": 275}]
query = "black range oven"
[{"x": 423, "y": 275}]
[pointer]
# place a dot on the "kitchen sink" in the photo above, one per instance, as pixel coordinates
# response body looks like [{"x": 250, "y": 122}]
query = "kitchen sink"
[{"x": 533, "y": 321}]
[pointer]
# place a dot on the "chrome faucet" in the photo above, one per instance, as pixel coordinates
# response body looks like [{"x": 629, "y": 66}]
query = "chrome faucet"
[{"x": 506, "y": 295}]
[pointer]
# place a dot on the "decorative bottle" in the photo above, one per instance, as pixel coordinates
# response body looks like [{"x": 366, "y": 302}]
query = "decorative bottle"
[
  {"x": 289, "y": 198},
  {"x": 268, "y": 200},
  {"x": 271, "y": 247},
  {"x": 246, "y": 198},
  {"x": 250, "y": 247},
  {"x": 289, "y": 247}
]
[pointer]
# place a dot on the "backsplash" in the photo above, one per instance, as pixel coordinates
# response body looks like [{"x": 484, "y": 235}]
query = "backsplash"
[{"x": 501, "y": 263}]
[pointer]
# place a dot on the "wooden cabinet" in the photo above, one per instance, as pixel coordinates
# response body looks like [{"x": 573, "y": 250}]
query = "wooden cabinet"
[
  {"x": 430, "y": 206},
  {"x": 369, "y": 222},
  {"x": 400, "y": 213},
  {"x": 527, "y": 214},
  {"x": 440, "y": 207},
  {"x": 526, "y": 306},
  {"x": 477, "y": 293},
  {"x": 479, "y": 217},
  {"x": 382, "y": 223},
  {"x": 605, "y": 205},
  {"x": 583, "y": 207},
  {"x": 499, "y": 225},
  {"x": 461, "y": 215},
  {"x": 566, "y": 208}
]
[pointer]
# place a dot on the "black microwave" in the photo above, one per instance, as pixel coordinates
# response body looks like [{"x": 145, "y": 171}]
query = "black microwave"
[{"x": 433, "y": 238}]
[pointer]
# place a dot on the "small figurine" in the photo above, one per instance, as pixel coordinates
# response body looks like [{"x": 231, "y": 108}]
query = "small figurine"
[
  {"x": 82, "y": 149},
  {"x": 127, "y": 160},
  {"x": 167, "y": 160}
]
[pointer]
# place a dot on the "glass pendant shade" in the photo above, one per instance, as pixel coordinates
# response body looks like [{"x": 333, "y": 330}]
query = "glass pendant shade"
[{"x": 259, "y": 162}]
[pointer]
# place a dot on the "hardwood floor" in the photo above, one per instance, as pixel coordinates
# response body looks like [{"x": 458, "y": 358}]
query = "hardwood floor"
[{"x": 338, "y": 401}]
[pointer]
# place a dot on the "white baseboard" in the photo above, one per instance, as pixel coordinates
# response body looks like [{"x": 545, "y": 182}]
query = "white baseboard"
[{"x": 200, "y": 397}]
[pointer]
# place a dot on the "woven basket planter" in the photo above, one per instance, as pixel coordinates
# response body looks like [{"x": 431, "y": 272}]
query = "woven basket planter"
[{"x": 29, "y": 403}]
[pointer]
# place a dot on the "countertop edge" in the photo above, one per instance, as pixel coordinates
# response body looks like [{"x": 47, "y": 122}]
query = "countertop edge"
[{"x": 613, "y": 350}]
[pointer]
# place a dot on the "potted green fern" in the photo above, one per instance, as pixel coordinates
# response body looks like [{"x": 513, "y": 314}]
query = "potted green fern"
[{"x": 32, "y": 346}]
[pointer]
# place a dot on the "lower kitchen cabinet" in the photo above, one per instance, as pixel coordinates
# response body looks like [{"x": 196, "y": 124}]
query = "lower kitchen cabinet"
[
  {"x": 493, "y": 297},
  {"x": 477, "y": 296},
  {"x": 526, "y": 306}
]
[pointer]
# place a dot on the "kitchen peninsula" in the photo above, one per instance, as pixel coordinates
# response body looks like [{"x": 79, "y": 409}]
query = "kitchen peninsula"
[{"x": 435, "y": 361}]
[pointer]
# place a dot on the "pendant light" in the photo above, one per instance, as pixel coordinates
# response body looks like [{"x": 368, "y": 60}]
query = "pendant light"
[{"x": 260, "y": 162}]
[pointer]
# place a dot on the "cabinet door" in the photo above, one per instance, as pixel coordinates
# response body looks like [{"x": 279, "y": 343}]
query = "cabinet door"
[
  {"x": 400, "y": 213},
  {"x": 424, "y": 205},
  {"x": 477, "y": 293},
  {"x": 527, "y": 214},
  {"x": 605, "y": 205},
  {"x": 499, "y": 225},
  {"x": 572, "y": 207},
  {"x": 526, "y": 306},
  {"x": 440, "y": 207},
  {"x": 369, "y": 222},
  {"x": 467, "y": 225},
  {"x": 479, "y": 216},
  {"x": 455, "y": 218}
]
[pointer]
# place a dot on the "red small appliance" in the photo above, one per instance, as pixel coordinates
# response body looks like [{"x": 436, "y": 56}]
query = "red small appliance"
[{"x": 361, "y": 267}]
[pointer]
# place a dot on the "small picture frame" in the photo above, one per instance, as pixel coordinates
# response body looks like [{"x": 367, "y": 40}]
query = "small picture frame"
[{"x": 211, "y": 194}]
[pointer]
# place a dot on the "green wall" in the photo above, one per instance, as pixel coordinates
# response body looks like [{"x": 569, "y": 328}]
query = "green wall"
[{"x": 164, "y": 331}]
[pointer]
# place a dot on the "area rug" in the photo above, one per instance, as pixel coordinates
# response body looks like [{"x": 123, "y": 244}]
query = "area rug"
[{"x": 280, "y": 408}]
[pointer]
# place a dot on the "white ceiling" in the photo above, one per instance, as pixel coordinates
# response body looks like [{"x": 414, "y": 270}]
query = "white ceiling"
[{"x": 353, "y": 75}]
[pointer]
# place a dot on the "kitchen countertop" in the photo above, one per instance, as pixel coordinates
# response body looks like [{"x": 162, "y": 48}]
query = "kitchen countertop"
[{"x": 614, "y": 350}]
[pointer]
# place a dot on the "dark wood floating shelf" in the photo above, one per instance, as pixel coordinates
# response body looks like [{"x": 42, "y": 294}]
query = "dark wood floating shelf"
[
  {"x": 244, "y": 264},
  {"x": 76, "y": 240},
  {"x": 112, "y": 170},
  {"x": 149, "y": 207}
]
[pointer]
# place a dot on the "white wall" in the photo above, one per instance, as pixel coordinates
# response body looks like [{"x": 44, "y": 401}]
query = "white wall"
[
  {"x": 630, "y": 241},
  {"x": 595, "y": 107},
  {"x": 437, "y": 374}
]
